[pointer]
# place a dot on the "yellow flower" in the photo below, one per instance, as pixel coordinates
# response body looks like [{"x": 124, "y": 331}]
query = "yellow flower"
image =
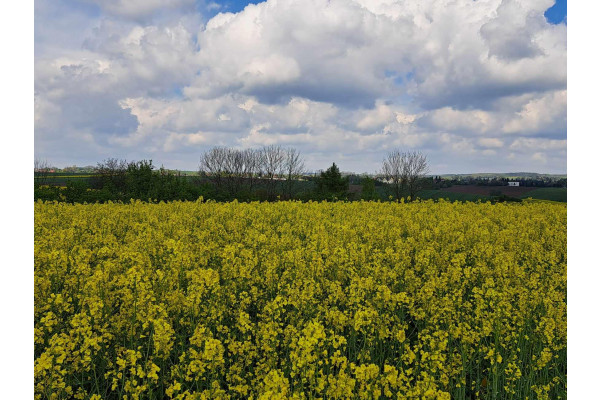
[{"x": 206, "y": 300}]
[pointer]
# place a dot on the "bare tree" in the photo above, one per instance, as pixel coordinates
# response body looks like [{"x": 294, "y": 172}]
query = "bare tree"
[
  {"x": 41, "y": 169},
  {"x": 392, "y": 171},
  {"x": 243, "y": 168},
  {"x": 234, "y": 170},
  {"x": 415, "y": 168},
  {"x": 111, "y": 172},
  {"x": 405, "y": 169},
  {"x": 212, "y": 165},
  {"x": 252, "y": 166},
  {"x": 293, "y": 166},
  {"x": 232, "y": 166},
  {"x": 272, "y": 163}
]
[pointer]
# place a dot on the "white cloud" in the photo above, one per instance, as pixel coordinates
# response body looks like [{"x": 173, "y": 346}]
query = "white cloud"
[
  {"x": 138, "y": 8},
  {"x": 377, "y": 118},
  {"x": 511, "y": 34},
  {"x": 491, "y": 143},
  {"x": 529, "y": 144},
  {"x": 547, "y": 113},
  {"x": 539, "y": 157},
  {"x": 273, "y": 69},
  {"x": 458, "y": 120},
  {"x": 405, "y": 118},
  {"x": 467, "y": 82},
  {"x": 448, "y": 53}
]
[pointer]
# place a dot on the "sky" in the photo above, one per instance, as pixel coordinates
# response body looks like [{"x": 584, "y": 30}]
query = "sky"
[{"x": 477, "y": 86}]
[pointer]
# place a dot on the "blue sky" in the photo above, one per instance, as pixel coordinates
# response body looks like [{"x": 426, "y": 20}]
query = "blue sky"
[
  {"x": 557, "y": 13},
  {"x": 237, "y": 5},
  {"x": 477, "y": 86}
]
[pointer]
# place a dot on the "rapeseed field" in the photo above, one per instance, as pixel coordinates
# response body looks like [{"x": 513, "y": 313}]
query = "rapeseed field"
[{"x": 290, "y": 300}]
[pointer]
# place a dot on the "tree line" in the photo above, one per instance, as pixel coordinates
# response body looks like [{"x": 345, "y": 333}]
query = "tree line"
[
  {"x": 268, "y": 173},
  {"x": 242, "y": 173},
  {"x": 499, "y": 181},
  {"x": 118, "y": 180}
]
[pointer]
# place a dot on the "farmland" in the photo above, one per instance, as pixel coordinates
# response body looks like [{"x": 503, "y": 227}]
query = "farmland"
[
  {"x": 482, "y": 193},
  {"x": 552, "y": 194},
  {"x": 513, "y": 191},
  {"x": 188, "y": 300},
  {"x": 190, "y": 187}
]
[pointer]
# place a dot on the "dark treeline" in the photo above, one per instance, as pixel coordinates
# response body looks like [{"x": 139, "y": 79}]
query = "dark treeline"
[
  {"x": 119, "y": 180},
  {"x": 266, "y": 174},
  {"x": 269, "y": 173},
  {"x": 498, "y": 181}
]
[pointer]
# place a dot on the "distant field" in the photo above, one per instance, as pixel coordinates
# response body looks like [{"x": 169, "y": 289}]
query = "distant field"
[
  {"x": 553, "y": 194},
  {"x": 512, "y": 191},
  {"x": 453, "y": 193},
  {"x": 61, "y": 179},
  {"x": 509, "y": 175},
  {"x": 65, "y": 176},
  {"x": 474, "y": 193},
  {"x": 448, "y": 195}
]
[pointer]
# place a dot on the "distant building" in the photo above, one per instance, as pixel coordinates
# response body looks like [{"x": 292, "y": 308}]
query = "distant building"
[{"x": 513, "y": 183}]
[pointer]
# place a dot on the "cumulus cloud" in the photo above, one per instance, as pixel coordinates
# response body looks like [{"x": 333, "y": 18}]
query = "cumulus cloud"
[
  {"x": 377, "y": 118},
  {"x": 544, "y": 115},
  {"x": 448, "y": 53},
  {"x": 472, "y": 83},
  {"x": 511, "y": 34},
  {"x": 139, "y": 8},
  {"x": 491, "y": 142}
]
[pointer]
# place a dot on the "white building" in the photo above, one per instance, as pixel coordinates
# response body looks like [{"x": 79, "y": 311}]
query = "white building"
[{"x": 513, "y": 183}]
